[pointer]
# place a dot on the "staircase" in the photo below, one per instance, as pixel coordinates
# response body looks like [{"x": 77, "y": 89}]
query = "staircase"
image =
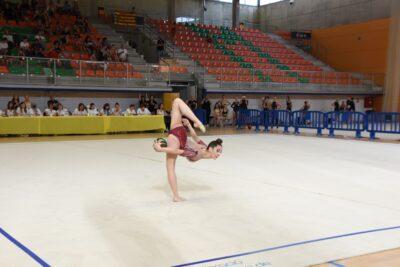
[{"x": 300, "y": 52}]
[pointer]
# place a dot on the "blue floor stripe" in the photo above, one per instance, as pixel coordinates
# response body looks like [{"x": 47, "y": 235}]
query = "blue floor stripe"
[
  {"x": 334, "y": 263},
  {"x": 25, "y": 249},
  {"x": 289, "y": 245}
]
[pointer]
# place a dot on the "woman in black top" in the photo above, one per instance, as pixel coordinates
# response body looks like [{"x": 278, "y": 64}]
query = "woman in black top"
[
  {"x": 244, "y": 103},
  {"x": 289, "y": 104},
  {"x": 152, "y": 105},
  {"x": 235, "y": 107},
  {"x": 206, "y": 105},
  {"x": 336, "y": 106}
]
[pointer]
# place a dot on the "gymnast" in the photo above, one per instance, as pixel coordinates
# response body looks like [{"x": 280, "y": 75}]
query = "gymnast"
[{"x": 177, "y": 143}]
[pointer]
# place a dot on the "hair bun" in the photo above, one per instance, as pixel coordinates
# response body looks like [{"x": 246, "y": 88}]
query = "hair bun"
[{"x": 219, "y": 141}]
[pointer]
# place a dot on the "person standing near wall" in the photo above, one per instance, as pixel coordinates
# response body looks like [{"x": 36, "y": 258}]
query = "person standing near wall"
[
  {"x": 289, "y": 104},
  {"x": 206, "y": 105},
  {"x": 336, "y": 106},
  {"x": 235, "y": 107}
]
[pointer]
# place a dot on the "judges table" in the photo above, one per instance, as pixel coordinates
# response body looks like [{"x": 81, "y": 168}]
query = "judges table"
[{"x": 80, "y": 124}]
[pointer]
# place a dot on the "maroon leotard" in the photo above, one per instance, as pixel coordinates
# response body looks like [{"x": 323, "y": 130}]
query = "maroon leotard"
[{"x": 181, "y": 133}]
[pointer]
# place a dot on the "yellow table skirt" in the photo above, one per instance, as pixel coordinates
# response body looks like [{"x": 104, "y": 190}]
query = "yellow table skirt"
[{"x": 80, "y": 125}]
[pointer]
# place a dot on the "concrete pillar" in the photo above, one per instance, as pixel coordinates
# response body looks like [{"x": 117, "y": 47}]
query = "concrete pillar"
[
  {"x": 391, "y": 102},
  {"x": 171, "y": 10},
  {"x": 235, "y": 13}
]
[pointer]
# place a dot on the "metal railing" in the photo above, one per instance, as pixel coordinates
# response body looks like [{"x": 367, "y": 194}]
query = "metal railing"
[{"x": 50, "y": 71}]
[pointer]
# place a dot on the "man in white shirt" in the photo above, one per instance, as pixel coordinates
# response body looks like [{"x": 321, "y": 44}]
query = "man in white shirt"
[
  {"x": 24, "y": 46},
  {"x": 143, "y": 110},
  {"x": 8, "y": 36},
  {"x": 122, "y": 53},
  {"x": 130, "y": 111},
  {"x": 4, "y": 47},
  {"x": 34, "y": 111}
]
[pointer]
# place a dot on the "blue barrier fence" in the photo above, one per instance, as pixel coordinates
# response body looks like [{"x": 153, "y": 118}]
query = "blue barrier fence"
[
  {"x": 275, "y": 118},
  {"x": 345, "y": 121},
  {"x": 383, "y": 122},
  {"x": 248, "y": 117},
  {"x": 373, "y": 122},
  {"x": 308, "y": 119}
]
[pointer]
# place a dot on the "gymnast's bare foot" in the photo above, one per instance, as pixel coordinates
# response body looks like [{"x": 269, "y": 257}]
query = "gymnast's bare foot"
[
  {"x": 177, "y": 199},
  {"x": 200, "y": 126}
]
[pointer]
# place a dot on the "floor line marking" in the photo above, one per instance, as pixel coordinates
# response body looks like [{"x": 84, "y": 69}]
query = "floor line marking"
[
  {"x": 290, "y": 245},
  {"x": 334, "y": 263},
  {"x": 23, "y": 248}
]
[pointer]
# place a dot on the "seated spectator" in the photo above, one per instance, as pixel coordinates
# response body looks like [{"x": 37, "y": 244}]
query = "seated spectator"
[
  {"x": 66, "y": 9},
  {"x": 27, "y": 101},
  {"x": 15, "y": 100},
  {"x": 122, "y": 53},
  {"x": 22, "y": 110},
  {"x": 131, "y": 110},
  {"x": 37, "y": 49},
  {"x": 116, "y": 111},
  {"x": 80, "y": 110},
  {"x": 10, "y": 110},
  {"x": 160, "y": 110},
  {"x": 4, "y": 47},
  {"x": 241, "y": 26},
  {"x": 106, "y": 111},
  {"x": 9, "y": 37},
  {"x": 50, "y": 111},
  {"x": 35, "y": 111},
  {"x": 160, "y": 47},
  {"x": 93, "y": 111},
  {"x": 1, "y": 113},
  {"x": 24, "y": 47},
  {"x": 61, "y": 111},
  {"x": 152, "y": 105},
  {"x": 53, "y": 101},
  {"x": 40, "y": 36},
  {"x": 143, "y": 110}
]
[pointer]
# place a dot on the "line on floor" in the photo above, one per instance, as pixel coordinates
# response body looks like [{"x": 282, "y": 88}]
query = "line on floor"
[
  {"x": 334, "y": 263},
  {"x": 290, "y": 245},
  {"x": 23, "y": 248}
]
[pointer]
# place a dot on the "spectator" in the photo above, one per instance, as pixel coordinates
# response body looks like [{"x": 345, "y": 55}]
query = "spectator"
[
  {"x": 22, "y": 110},
  {"x": 224, "y": 101},
  {"x": 342, "y": 106},
  {"x": 160, "y": 47},
  {"x": 53, "y": 101},
  {"x": 289, "y": 104},
  {"x": 1, "y": 113},
  {"x": 206, "y": 105},
  {"x": 130, "y": 111},
  {"x": 142, "y": 100},
  {"x": 152, "y": 105},
  {"x": 81, "y": 110},
  {"x": 66, "y": 9},
  {"x": 93, "y": 111},
  {"x": 275, "y": 105},
  {"x": 244, "y": 103},
  {"x": 143, "y": 110},
  {"x": 106, "y": 111},
  {"x": 4, "y": 47},
  {"x": 61, "y": 111},
  {"x": 50, "y": 111},
  {"x": 10, "y": 110},
  {"x": 241, "y": 26},
  {"x": 35, "y": 111},
  {"x": 37, "y": 49},
  {"x": 218, "y": 118},
  {"x": 27, "y": 101},
  {"x": 235, "y": 107},
  {"x": 9, "y": 37},
  {"x": 192, "y": 103},
  {"x": 266, "y": 104},
  {"x": 24, "y": 47},
  {"x": 122, "y": 53},
  {"x": 306, "y": 106},
  {"x": 160, "y": 110},
  {"x": 116, "y": 111},
  {"x": 336, "y": 106},
  {"x": 351, "y": 106}
]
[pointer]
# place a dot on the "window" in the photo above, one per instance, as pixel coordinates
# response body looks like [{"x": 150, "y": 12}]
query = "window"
[
  {"x": 249, "y": 2},
  {"x": 266, "y": 2},
  {"x": 242, "y": 2}
]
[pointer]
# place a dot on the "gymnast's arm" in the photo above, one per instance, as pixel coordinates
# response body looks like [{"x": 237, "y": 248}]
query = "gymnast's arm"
[{"x": 191, "y": 130}]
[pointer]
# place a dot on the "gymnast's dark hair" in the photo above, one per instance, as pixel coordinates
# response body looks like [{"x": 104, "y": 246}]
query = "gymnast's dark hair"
[{"x": 215, "y": 143}]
